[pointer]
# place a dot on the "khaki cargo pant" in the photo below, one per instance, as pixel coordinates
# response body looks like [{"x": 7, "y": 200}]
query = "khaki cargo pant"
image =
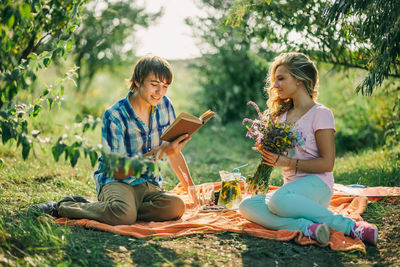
[{"x": 123, "y": 204}]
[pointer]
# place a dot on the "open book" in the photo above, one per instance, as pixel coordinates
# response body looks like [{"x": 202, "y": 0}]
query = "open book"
[{"x": 186, "y": 123}]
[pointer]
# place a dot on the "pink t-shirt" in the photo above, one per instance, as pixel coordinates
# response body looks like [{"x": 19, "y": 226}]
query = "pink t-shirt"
[{"x": 317, "y": 118}]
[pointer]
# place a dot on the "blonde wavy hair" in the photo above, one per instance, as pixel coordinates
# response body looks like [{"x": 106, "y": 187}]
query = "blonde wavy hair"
[{"x": 299, "y": 66}]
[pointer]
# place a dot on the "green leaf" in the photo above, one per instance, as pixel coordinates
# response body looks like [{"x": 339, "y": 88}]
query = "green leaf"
[
  {"x": 127, "y": 166},
  {"x": 26, "y": 147},
  {"x": 46, "y": 62},
  {"x": 10, "y": 22},
  {"x": 25, "y": 11},
  {"x": 50, "y": 101},
  {"x": 6, "y": 132},
  {"x": 32, "y": 55},
  {"x": 137, "y": 166},
  {"x": 156, "y": 169},
  {"x": 36, "y": 110},
  {"x": 78, "y": 118},
  {"x": 45, "y": 92},
  {"x": 34, "y": 64},
  {"x": 74, "y": 156},
  {"x": 93, "y": 158},
  {"x": 57, "y": 150},
  {"x": 150, "y": 167},
  {"x": 24, "y": 125},
  {"x": 85, "y": 127},
  {"x": 70, "y": 44},
  {"x": 60, "y": 52},
  {"x": 15, "y": 74}
]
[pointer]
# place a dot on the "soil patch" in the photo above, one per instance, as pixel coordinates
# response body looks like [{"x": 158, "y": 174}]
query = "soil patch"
[{"x": 231, "y": 249}]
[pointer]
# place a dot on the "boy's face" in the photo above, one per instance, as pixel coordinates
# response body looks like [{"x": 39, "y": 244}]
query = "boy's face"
[{"x": 152, "y": 89}]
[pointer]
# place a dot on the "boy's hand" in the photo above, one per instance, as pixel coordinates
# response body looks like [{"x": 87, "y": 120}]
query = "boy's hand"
[{"x": 169, "y": 148}]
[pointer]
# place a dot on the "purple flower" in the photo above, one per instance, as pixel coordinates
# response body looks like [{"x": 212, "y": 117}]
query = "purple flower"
[
  {"x": 256, "y": 107},
  {"x": 246, "y": 120},
  {"x": 269, "y": 132}
]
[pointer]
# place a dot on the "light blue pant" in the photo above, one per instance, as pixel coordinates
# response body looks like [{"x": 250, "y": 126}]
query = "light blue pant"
[{"x": 295, "y": 206}]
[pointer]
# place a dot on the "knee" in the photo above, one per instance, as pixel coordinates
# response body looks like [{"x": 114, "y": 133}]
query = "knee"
[
  {"x": 279, "y": 202},
  {"x": 121, "y": 213},
  {"x": 177, "y": 208},
  {"x": 246, "y": 208},
  {"x": 244, "y": 205}
]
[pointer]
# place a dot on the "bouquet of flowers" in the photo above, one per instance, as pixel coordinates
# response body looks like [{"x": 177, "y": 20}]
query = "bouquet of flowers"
[{"x": 273, "y": 135}]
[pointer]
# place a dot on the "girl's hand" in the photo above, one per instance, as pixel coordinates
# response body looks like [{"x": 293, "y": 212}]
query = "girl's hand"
[{"x": 270, "y": 158}]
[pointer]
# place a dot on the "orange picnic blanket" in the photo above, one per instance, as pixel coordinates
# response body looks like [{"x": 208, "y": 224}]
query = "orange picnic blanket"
[{"x": 206, "y": 222}]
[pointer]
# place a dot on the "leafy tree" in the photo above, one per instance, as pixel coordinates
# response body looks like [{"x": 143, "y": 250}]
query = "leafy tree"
[
  {"x": 351, "y": 33},
  {"x": 24, "y": 27},
  {"x": 363, "y": 34},
  {"x": 232, "y": 73},
  {"x": 33, "y": 33},
  {"x": 105, "y": 36},
  {"x": 347, "y": 34}
]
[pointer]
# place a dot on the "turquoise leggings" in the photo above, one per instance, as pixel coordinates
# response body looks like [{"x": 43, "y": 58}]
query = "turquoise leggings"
[{"x": 295, "y": 206}]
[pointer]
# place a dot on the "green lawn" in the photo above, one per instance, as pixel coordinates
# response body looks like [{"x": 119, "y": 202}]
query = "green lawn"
[{"x": 27, "y": 241}]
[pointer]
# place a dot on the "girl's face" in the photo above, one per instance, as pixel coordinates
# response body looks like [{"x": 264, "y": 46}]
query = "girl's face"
[
  {"x": 285, "y": 84},
  {"x": 152, "y": 89}
]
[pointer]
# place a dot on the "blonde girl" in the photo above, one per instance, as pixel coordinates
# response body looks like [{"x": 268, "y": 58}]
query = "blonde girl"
[{"x": 301, "y": 203}]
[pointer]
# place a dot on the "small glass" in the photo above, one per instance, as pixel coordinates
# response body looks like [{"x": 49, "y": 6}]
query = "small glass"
[
  {"x": 207, "y": 194},
  {"x": 193, "y": 206}
]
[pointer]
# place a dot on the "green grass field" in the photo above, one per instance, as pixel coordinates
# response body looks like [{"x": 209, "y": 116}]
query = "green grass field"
[{"x": 25, "y": 241}]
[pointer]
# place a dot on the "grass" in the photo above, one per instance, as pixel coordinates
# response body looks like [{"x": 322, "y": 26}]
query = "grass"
[
  {"x": 369, "y": 167},
  {"x": 26, "y": 241}
]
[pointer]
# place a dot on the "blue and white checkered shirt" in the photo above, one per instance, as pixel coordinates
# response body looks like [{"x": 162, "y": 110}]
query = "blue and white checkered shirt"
[{"x": 124, "y": 133}]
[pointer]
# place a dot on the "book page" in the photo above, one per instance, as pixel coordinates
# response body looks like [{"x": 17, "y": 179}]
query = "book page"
[
  {"x": 188, "y": 117},
  {"x": 206, "y": 116}
]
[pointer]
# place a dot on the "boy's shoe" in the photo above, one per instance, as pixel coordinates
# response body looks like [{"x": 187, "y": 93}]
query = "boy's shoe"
[
  {"x": 367, "y": 232},
  {"x": 49, "y": 208},
  {"x": 319, "y": 232}
]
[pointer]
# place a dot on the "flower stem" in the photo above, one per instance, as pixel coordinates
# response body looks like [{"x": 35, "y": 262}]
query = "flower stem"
[{"x": 260, "y": 180}]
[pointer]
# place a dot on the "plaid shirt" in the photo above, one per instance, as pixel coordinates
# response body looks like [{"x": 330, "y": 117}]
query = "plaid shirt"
[{"x": 123, "y": 132}]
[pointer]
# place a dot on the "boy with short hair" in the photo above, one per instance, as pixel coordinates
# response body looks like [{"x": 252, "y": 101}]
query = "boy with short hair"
[{"x": 133, "y": 126}]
